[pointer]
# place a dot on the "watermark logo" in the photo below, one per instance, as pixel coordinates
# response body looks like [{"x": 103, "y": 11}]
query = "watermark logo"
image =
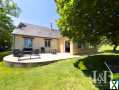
[
  {"x": 114, "y": 85},
  {"x": 102, "y": 77},
  {"x": 105, "y": 78}
]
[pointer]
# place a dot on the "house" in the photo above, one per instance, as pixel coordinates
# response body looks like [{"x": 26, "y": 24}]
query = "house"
[{"x": 39, "y": 37}]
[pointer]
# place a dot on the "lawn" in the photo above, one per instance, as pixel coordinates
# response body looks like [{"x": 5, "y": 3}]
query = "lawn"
[
  {"x": 97, "y": 63},
  {"x": 62, "y": 75},
  {"x": 106, "y": 48},
  {"x": 71, "y": 74}
]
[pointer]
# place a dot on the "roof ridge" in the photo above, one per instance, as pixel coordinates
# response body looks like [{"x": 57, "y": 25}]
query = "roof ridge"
[{"x": 37, "y": 26}]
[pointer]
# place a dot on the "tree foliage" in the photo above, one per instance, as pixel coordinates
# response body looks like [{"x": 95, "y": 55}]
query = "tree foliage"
[
  {"x": 8, "y": 9},
  {"x": 89, "y": 20}
]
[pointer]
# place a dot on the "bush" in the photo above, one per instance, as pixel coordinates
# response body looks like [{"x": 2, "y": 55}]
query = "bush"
[{"x": 2, "y": 54}]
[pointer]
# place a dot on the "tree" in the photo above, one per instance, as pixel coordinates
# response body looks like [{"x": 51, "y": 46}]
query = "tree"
[
  {"x": 8, "y": 9},
  {"x": 92, "y": 21}
]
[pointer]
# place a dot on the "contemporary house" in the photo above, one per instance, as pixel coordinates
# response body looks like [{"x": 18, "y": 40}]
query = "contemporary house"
[{"x": 27, "y": 36}]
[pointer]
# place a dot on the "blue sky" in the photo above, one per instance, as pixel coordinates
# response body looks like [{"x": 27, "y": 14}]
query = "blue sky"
[{"x": 39, "y": 12}]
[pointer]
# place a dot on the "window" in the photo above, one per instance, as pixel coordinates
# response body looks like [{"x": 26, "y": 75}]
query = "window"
[
  {"x": 47, "y": 42},
  {"x": 27, "y": 42}
]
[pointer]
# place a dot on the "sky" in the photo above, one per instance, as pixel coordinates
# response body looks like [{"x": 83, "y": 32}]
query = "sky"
[{"x": 39, "y": 12}]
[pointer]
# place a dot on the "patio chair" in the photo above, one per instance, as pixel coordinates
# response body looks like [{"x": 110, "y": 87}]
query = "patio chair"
[{"x": 18, "y": 53}]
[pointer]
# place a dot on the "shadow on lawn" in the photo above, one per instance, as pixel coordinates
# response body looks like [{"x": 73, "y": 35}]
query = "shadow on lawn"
[{"x": 96, "y": 63}]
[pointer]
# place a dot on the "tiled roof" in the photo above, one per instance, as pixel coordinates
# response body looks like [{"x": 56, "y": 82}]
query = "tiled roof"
[{"x": 35, "y": 30}]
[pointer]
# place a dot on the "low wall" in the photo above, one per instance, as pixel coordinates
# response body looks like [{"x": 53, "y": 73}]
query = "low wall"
[{"x": 87, "y": 51}]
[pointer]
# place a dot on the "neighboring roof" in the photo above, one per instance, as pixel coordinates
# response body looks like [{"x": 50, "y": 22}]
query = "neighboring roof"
[{"x": 35, "y": 30}]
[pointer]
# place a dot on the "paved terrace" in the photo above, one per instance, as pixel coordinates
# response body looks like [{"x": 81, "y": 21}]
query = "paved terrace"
[{"x": 10, "y": 60}]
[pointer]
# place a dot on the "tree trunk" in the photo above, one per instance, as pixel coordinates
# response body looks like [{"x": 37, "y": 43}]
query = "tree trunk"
[{"x": 114, "y": 48}]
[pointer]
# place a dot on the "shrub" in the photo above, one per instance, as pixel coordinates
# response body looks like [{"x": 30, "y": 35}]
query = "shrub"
[{"x": 2, "y": 54}]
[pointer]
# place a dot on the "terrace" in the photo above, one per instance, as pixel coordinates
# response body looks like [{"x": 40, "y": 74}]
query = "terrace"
[{"x": 34, "y": 60}]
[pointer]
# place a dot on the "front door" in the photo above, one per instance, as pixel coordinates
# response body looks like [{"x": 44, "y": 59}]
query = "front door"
[{"x": 67, "y": 46}]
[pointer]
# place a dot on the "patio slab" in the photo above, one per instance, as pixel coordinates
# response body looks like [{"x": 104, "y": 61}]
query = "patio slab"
[{"x": 10, "y": 60}]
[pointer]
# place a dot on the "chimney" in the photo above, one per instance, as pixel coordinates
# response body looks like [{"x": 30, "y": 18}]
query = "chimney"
[{"x": 51, "y": 26}]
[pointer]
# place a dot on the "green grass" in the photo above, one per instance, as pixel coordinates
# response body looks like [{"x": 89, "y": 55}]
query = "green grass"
[
  {"x": 96, "y": 63},
  {"x": 61, "y": 75},
  {"x": 105, "y": 48},
  {"x": 109, "y": 48},
  {"x": 6, "y": 71}
]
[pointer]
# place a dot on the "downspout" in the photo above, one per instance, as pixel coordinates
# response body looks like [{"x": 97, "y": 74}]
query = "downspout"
[{"x": 13, "y": 42}]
